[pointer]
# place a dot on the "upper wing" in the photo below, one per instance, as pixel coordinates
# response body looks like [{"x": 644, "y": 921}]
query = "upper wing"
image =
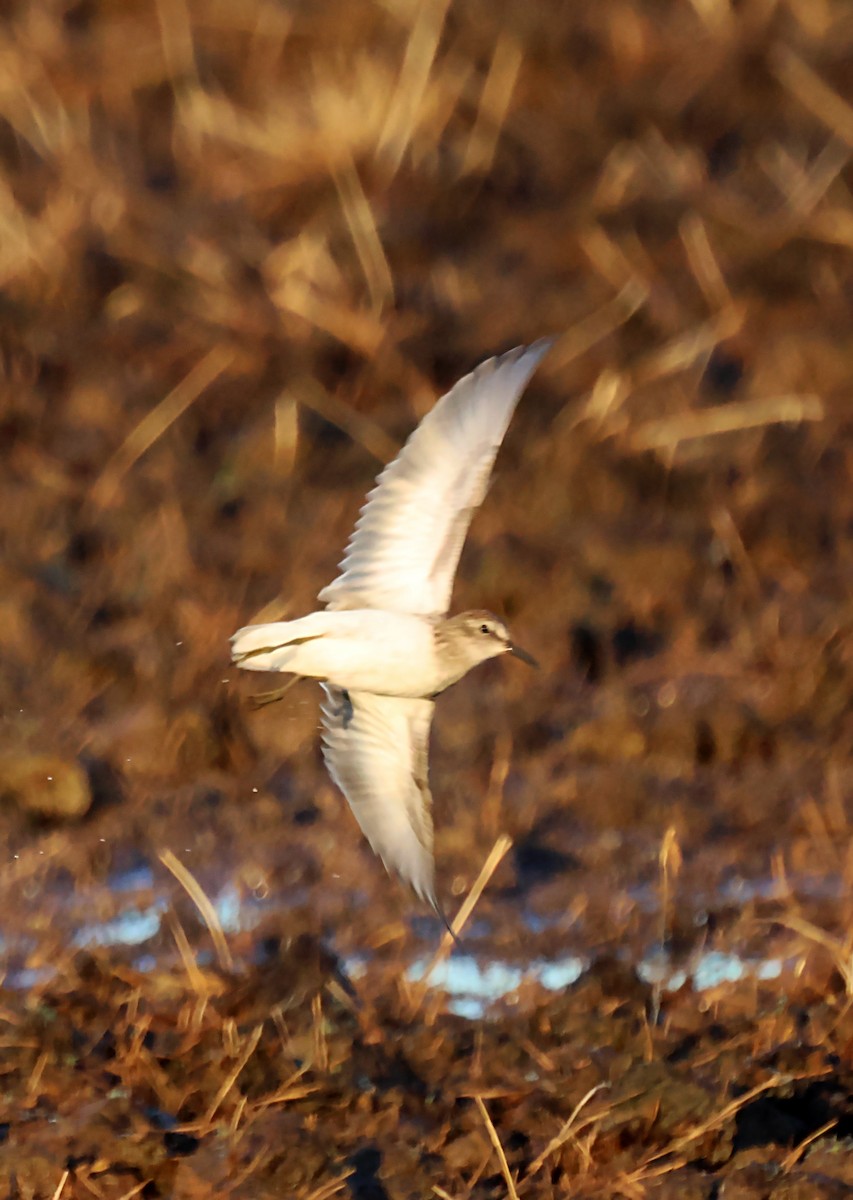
[
  {"x": 375, "y": 748},
  {"x": 408, "y": 538}
]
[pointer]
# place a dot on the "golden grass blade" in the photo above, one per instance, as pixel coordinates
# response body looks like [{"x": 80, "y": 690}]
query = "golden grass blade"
[
  {"x": 196, "y": 978},
  {"x": 318, "y": 1028},
  {"x": 134, "y": 1191},
  {"x": 330, "y": 1188},
  {"x": 289, "y": 1090},
  {"x": 818, "y": 97},
  {"x": 717, "y": 15},
  {"x": 418, "y": 993},
  {"x": 566, "y": 1131},
  {"x": 703, "y": 262},
  {"x": 285, "y": 434},
  {"x": 202, "y": 902},
  {"x": 599, "y": 324},
  {"x": 665, "y": 434},
  {"x": 670, "y": 861},
  {"x": 834, "y": 225},
  {"x": 249, "y": 1047},
  {"x": 61, "y": 1185},
  {"x": 362, "y": 331},
  {"x": 500, "y": 848},
  {"x": 685, "y": 350},
  {"x": 404, "y": 105},
  {"x": 790, "y": 1160},
  {"x": 176, "y": 39},
  {"x": 611, "y": 261},
  {"x": 494, "y": 104},
  {"x": 839, "y": 950},
  {"x": 718, "y": 1119},
  {"x": 361, "y": 429},
  {"x": 804, "y": 189},
  {"x": 154, "y": 424},
  {"x": 499, "y": 1150},
  {"x": 365, "y": 236}
]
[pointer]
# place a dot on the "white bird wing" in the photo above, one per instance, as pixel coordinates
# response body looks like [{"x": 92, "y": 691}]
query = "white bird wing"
[
  {"x": 403, "y": 553},
  {"x": 375, "y": 749}
]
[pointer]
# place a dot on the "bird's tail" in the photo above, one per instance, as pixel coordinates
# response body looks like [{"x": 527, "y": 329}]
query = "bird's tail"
[{"x": 276, "y": 646}]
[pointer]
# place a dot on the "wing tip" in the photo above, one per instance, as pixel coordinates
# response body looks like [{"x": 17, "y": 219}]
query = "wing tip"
[
  {"x": 442, "y": 916},
  {"x": 523, "y": 360},
  {"x": 534, "y": 352},
  {"x": 426, "y": 891}
]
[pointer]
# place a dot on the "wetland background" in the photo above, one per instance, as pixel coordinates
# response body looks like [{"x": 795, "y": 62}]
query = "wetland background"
[{"x": 244, "y": 247}]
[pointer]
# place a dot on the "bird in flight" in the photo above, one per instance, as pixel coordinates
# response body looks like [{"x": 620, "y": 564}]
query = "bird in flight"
[{"x": 384, "y": 647}]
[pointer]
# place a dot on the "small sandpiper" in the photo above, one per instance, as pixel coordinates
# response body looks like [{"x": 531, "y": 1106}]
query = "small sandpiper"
[{"x": 385, "y": 647}]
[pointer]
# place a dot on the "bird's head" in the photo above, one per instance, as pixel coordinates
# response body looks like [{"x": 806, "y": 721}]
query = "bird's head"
[{"x": 479, "y": 635}]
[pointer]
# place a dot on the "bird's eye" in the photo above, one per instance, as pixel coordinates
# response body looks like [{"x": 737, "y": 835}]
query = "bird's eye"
[{"x": 484, "y": 629}]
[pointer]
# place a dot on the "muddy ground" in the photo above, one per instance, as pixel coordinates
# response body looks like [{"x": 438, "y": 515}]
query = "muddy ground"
[{"x": 244, "y": 247}]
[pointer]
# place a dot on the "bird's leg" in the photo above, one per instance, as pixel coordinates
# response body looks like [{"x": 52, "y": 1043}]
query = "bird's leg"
[{"x": 261, "y": 699}]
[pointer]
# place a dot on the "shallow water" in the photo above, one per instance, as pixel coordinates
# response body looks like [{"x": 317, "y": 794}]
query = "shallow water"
[{"x": 475, "y": 978}]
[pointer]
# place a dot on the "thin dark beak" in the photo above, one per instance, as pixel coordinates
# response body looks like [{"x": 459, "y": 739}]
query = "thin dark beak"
[{"x": 517, "y": 652}]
